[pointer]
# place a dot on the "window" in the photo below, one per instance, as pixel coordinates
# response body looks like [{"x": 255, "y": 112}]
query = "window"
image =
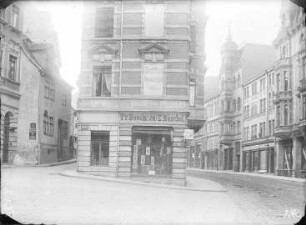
[
  {"x": 286, "y": 81},
  {"x": 192, "y": 94},
  {"x": 234, "y": 105},
  {"x": 278, "y": 114},
  {"x": 254, "y": 109},
  {"x": 153, "y": 79},
  {"x": 99, "y": 148},
  {"x": 65, "y": 129},
  {"x": 278, "y": 82},
  {"x": 15, "y": 16},
  {"x": 104, "y": 22},
  {"x": 154, "y": 20},
  {"x": 49, "y": 90},
  {"x": 64, "y": 99},
  {"x": 254, "y": 89},
  {"x": 262, "y": 84},
  {"x": 51, "y": 126},
  {"x": 238, "y": 126},
  {"x": 286, "y": 114},
  {"x": 46, "y": 123},
  {"x": 12, "y": 68},
  {"x": 102, "y": 80},
  {"x": 238, "y": 104}
]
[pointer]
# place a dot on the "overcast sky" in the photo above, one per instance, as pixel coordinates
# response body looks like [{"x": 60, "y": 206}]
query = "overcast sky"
[{"x": 253, "y": 21}]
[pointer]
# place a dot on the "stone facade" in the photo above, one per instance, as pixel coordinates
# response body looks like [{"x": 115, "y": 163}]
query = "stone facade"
[{"x": 141, "y": 86}]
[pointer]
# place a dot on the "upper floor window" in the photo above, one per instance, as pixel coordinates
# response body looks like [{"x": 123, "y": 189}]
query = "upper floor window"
[
  {"x": 286, "y": 81},
  {"x": 254, "y": 88},
  {"x": 102, "y": 80},
  {"x": 48, "y": 124},
  {"x": 2, "y": 13},
  {"x": 49, "y": 90},
  {"x": 12, "y": 67},
  {"x": 192, "y": 90},
  {"x": 153, "y": 79},
  {"x": 283, "y": 53},
  {"x": 238, "y": 104},
  {"x": 302, "y": 42},
  {"x": 64, "y": 100},
  {"x": 154, "y": 20},
  {"x": 15, "y": 19},
  {"x": 104, "y": 22},
  {"x": 278, "y": 82}
]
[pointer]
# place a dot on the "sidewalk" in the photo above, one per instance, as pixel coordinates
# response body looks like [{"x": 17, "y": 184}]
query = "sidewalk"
[
  {"x": 7, "y": 166},
  {"x": 193, "y": 184},
  {"x": 292, "y": 179}
]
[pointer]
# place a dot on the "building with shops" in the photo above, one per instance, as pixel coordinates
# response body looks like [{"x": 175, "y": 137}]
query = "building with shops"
[
  {"x": 141, "y": 87},
  {"x": 290, "y": 97},
  {"x": 227, "y": 114},
  {"x": 10, "y": 53},
  {"x": 258, "y": 141}
]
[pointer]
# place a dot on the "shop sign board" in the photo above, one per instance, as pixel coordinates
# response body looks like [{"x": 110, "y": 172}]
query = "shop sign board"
[{"x": 152, "y": 117}]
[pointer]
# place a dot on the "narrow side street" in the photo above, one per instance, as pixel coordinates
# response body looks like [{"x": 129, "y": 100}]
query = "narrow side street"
[
  {"x": 41, "y": 195},
  {"x": 264, "y": 198}
]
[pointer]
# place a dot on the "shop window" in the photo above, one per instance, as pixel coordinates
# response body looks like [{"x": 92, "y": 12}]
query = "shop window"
[
  {"x": 153, "y": 79},
  {"x": 152, "y": 150},
  {"x": 288, "y": 158},
  {"x": 12, "y": 67},
  {"x": 104, "y": 22},
  {"x": 102, "y": 80},
  {"x": 99, "y": 148},
  {"x": 154, "y": 20}
]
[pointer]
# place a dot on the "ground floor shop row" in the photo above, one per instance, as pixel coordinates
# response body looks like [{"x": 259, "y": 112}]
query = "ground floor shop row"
[
  {"x": 282, "y": 157},
  {"x": 134, "y": 144}
]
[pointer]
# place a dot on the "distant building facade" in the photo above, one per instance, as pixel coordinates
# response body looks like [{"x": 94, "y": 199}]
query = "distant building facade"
[{"x": 141, "y": 86}]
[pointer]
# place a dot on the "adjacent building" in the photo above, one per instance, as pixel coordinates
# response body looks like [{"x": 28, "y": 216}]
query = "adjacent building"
[
  {"x": 290, "y": 92},
  {"x": 141, "y": 87},
  {"x": 10, "y": 53},
  {"x": 35, "y": 101}
]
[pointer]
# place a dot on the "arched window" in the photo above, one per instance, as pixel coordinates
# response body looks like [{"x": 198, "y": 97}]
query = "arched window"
[{"x": 46, "y": 123}]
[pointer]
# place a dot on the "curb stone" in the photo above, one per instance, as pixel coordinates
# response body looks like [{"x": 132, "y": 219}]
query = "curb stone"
[{"x": 75, "y": 174}]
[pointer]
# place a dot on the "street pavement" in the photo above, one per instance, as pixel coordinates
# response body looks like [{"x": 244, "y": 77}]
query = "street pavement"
[
  {"x": 265, "y": 199},
  {"x": 42, "y": 195}
]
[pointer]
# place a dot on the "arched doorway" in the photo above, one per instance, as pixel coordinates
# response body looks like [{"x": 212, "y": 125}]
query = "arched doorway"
[{"x": 6, "y": 136}]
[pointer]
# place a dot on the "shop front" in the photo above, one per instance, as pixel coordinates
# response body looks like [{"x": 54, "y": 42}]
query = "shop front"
[
  {"x": 258, "y": 158},
  {"x": 152, "y": 151}
]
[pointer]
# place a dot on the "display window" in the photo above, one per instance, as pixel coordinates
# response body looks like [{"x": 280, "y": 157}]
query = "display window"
[{"x": 152, "y": 151}]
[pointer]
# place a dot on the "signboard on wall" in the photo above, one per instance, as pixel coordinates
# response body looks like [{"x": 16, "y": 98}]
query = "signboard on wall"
[{"x": 32, "y": 131}]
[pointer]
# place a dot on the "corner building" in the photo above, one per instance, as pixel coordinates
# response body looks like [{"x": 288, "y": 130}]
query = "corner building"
[{"x": 141, "y": 86}]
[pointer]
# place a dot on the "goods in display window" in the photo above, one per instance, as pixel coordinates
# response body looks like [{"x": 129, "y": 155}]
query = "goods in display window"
[{"x": 153, "y": 152}]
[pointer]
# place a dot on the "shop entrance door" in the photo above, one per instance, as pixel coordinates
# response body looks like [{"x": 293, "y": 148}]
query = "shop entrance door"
[{"x": 152, "y": 151}]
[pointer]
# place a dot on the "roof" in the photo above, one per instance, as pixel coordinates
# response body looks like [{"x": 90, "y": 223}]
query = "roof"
[
  {"x": 254, "y": 59},
  {"x": 38, "y": 46},
  {"x": 211, "y": 87}
]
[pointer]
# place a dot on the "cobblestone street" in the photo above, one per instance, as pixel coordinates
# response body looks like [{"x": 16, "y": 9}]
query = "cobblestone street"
[
  {"x": 41, "y": 195},
  {"x": 265, "y": 200}
]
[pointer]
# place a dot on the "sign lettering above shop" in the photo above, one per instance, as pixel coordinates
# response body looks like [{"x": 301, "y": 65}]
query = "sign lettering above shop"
[{"x": 160, "y": 117}]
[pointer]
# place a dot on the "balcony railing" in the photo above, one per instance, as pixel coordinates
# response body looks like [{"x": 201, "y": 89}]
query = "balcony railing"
[
  {"x": 283, "y": 131},
  {"x": 302, "y": 85},
  {"x": 9, "y": 83},
  {"x": 300, "y": 173}
]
